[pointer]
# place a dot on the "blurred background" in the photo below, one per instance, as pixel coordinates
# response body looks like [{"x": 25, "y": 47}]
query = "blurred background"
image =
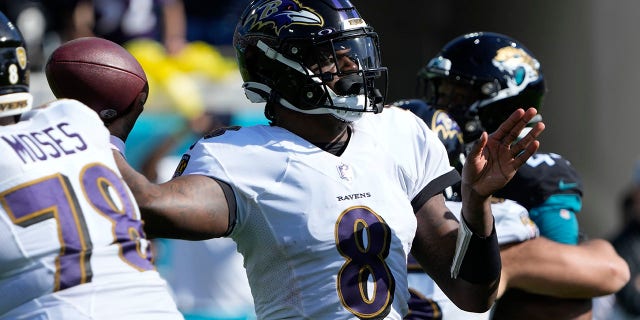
[{"x": 586, "y": 47}]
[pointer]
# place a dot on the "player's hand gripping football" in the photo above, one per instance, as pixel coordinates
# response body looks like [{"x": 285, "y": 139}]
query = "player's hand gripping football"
[
  {"x": 494, "y": 158},
  {"x": 123, "y": 124}
]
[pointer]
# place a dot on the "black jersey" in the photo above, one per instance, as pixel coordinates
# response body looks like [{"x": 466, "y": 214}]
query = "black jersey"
[{"x": 543, "y": 175}]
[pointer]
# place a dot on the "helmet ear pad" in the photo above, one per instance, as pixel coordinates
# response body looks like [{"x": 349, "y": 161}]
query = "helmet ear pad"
[{"x": 285, "y": 81}]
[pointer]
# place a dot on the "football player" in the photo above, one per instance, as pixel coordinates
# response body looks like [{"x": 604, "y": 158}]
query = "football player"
[
  {"x": 73, "y": 246},
  {"x": 531, "y": 263},
  {"x": 479, "y": 78},
  {"x": 324, "y": 208}
]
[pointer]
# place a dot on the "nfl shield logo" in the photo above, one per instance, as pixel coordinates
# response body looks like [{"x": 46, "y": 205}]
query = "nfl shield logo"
[{"x": 345, "y": 172}]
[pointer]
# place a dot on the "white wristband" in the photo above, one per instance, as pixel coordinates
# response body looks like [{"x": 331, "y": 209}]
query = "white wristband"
[
  {"x": 117, "y": 144},
  {"x": 464, "y": 236}
]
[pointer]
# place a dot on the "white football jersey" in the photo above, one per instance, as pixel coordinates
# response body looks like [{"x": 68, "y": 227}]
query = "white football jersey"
[
  {"x": 326, "y": 237},
  {"x": 512, "y": 225},
  {"x": 72, "y": 240}
]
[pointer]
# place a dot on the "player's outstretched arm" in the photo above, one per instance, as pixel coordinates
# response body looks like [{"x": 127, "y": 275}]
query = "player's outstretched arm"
[
  {"x": 541, "y": 266},
  {"x": 191, "y": 207}
]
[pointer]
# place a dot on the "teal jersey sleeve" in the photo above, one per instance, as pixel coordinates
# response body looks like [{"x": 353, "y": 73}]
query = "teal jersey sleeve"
[
  {"x": 556, "y": 217},
  {"x": 551, "y": 189}
]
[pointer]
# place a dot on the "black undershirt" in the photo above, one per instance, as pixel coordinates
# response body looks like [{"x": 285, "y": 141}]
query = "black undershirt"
[{"x": 335, "y": 148}]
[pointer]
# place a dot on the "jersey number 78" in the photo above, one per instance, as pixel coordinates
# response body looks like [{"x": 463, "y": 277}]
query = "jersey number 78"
[{"x": 52, "y": 197}]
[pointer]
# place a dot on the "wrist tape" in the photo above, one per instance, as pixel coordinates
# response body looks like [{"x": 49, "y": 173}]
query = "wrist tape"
[{"x": 477, "y": 259}]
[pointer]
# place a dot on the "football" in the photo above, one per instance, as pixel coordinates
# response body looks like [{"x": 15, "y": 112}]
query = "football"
[{"x": 98, "y": 72}]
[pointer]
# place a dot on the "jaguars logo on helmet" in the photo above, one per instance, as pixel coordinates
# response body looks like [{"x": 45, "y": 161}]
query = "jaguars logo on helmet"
[{"x": 522, "y": 67}]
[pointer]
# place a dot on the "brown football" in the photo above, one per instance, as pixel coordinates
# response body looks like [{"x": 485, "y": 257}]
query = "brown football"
[{"x": 98, "y": 72}]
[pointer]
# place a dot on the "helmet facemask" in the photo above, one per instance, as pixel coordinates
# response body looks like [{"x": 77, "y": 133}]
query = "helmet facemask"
[
  {"x": 460, "y": 98},
  {"x": 340, "y": 76},
  {"x": 348, "y": 68}
]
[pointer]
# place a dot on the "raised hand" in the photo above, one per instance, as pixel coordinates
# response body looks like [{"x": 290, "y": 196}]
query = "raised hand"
[{"x": 494, "y": 159}]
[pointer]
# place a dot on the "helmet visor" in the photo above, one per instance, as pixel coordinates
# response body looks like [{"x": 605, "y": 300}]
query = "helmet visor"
[
  {"x": 345, "y": 55},
  {"x": 346, "y": 69}
]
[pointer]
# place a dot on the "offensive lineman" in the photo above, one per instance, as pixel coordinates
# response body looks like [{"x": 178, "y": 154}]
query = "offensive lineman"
[{"x": 72, "y": 240}]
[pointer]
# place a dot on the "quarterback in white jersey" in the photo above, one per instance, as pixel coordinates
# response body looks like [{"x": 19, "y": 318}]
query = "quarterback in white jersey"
[
  {"x": 72, "y": 240},
  {"x": 294, "y": 199},
  {"x": 326, "y": 202}
]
